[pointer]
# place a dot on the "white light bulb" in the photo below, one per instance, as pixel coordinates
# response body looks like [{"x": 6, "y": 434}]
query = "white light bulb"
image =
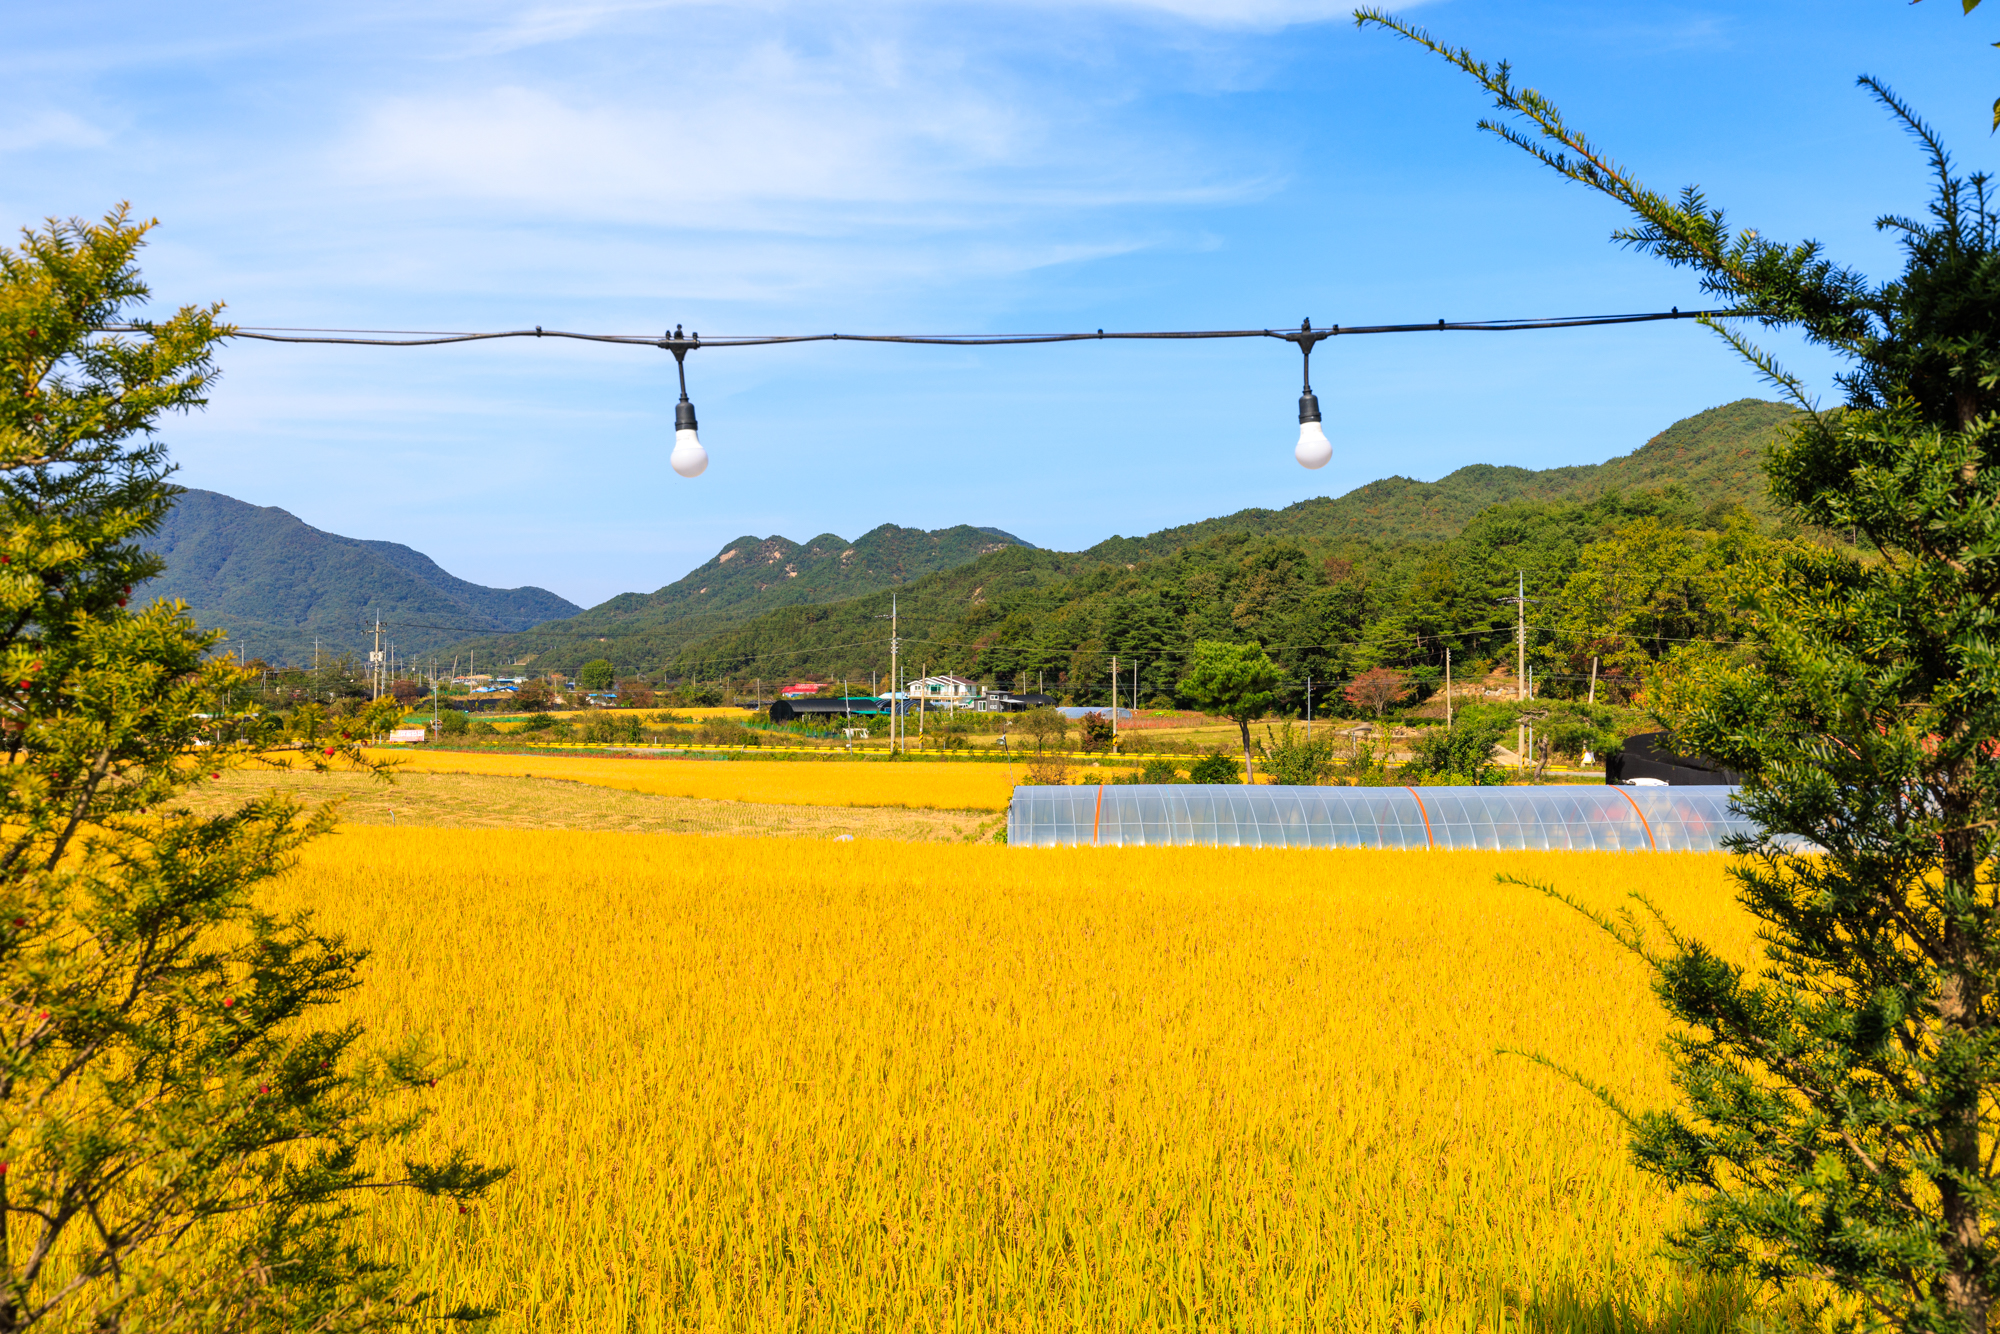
[
  {"x": 1314, "y": 449},
  {"x": 689, "y": 459}
]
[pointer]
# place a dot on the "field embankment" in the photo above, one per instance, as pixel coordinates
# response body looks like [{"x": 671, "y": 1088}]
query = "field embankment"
[{"x": 935, "y": 786}]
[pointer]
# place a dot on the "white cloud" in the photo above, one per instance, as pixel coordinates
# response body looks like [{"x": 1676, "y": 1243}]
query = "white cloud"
[
  {"x": 536, "y": 25},
  {"x": 49, "y": 129},
  {"x": 859, "y": 137}
]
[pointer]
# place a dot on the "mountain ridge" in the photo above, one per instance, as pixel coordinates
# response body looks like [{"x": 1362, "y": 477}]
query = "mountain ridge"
[
  {"x": 276, "y": 583},
  {"x": 1717, "y": 453},
  {"x": 749, "y": 577}
]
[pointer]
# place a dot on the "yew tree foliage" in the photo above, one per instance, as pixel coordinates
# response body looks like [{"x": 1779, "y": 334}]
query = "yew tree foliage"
[
  {"x": 179, "y": 1142},
  {"x": 1839, "y": 1109}
]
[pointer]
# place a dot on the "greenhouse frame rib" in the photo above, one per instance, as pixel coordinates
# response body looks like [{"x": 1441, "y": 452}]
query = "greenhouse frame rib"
[{"x": 1574, "y": 818}]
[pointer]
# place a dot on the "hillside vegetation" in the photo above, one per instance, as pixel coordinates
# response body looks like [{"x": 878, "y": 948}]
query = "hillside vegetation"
[
  {"x": 746, "y": 613},
  {"x": 1622, "y": 567},
  {"x": 276, "y": 583},
  {"x": 746, "y": 579}
]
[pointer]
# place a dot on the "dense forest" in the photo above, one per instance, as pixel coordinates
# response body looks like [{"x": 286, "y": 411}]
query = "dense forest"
[
  {"x": 1623, "y": 578},
  {"x": 773, "y": 608}
]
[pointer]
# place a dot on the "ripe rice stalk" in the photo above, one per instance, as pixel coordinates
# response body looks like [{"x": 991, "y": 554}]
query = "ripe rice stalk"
[{"x": 754, "y": 1085}]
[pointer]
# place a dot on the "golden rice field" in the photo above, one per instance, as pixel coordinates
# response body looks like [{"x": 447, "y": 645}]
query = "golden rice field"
[
  {"x": 751, "y": 1085},
  {"x": 940, "y": 786}
]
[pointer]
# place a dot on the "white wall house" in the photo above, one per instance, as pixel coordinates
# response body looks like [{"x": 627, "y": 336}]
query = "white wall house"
[{"x": 952, "y": 691}]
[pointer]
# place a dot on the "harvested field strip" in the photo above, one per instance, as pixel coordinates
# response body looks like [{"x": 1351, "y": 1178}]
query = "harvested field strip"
[
  {"x": 831, "y": 783},
  {"x": 490, "y": 801},
  {"x": 962, "y": 1088}
]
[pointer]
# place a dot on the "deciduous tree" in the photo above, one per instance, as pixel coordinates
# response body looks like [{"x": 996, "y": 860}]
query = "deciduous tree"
[{"x": 1377, "y": 688}]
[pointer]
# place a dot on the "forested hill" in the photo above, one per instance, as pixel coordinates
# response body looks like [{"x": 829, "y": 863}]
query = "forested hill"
[
  {"x": 1376, "y": 576},
  {"x": 277, "y": 583},
  {"x": 749, "y": 577},
  {"x": 1718, "y": 453}
]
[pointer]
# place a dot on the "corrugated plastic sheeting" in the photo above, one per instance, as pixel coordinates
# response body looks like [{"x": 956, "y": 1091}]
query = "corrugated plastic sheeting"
[{"x": 1667, "y": 819}]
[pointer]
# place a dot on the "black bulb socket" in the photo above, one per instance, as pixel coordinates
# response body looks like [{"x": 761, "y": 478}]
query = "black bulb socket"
[
  {"x": 1308, "y": 407},
  {"x": 684, "y": 416}
]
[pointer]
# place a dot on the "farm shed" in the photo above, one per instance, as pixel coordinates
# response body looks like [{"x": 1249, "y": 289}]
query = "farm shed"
[
  {"x": 1608, "y": 819},
  {"x": 825, "y": 710}
]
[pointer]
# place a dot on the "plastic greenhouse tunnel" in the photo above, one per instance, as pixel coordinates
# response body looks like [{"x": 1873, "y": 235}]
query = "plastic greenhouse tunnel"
[{"x": 1579, "y": 818}]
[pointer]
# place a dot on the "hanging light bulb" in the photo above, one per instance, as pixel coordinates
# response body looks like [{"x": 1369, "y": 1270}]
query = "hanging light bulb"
[
  {"x": 1314, "y": 450},
  {"x": 689, "y": 459}
]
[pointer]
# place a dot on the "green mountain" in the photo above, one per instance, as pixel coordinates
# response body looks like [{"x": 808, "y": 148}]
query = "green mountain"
[
  {"x": 1717, "y": 454},
  {"x": 1222, "y": 576},
  {"x": 748, "y": 578},
  {"x": 277, "y": 584}
]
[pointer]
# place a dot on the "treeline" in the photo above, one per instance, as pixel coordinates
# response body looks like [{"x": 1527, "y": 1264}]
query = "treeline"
[{"x": 1616, "y": 582}]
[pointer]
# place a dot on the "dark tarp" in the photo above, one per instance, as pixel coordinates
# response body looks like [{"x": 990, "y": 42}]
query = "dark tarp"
[
  {"x": 1647, "y": 756},
  {"x": 818, "y": 710}
]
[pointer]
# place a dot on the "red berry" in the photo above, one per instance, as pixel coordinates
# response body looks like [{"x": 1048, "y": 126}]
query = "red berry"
[
  {"x": 263, "y": 1088},
  {"x": 3, "y": 1169},
  {"x": 329, "y": 750},
  {"x": 121, "y": 602},
  {"x": 45, "y": 1014},
  {"x": 20, "y": 921},
  {"x": 215, "y": 775},
  {"x": 231, "y": 1001},
  {"x": 462, "y": 1208}
]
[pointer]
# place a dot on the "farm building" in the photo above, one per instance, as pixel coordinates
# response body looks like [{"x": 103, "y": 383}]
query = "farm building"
[
  {"x": 951, "y": 691},
  {"x": 1005, "y": 701},
  {"x": 826, "y": 710}
]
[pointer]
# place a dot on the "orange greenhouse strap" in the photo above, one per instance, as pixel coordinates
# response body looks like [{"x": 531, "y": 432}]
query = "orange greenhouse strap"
[
  {"x": 1651, "y": 843},
  {"x": 1429, "y": 841},
  {"x": 1099, "y": 819}
]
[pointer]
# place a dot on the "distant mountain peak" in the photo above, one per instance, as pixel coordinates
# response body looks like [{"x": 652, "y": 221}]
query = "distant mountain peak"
[{"x": 277, "y": 584}]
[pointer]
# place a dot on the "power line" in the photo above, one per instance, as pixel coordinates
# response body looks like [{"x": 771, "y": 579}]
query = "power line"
[{"x": 435, "y": 337}]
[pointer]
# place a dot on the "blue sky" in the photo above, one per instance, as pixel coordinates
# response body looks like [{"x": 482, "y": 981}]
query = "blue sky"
[{"x": 931, "y": 167}]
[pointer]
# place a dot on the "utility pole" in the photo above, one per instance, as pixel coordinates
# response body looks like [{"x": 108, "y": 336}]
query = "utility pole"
[
  {"x": 375, "y": 658},
  {"x": 1309, "y": 707},
  {"x": 1520, "y": 601},
  {"x": 1593, "y": 681},
  {"x": 1521, "y": 634},
  {"x": 895, "y": 676},
  {"x": 1114, "y": 704},
  {"x": 1447, "y": 690}
]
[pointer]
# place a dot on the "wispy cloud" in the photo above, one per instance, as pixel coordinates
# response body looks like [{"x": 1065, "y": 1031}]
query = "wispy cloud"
[
  {"x": 48, "y": 128},
  {"x": 538, "y": 24}
]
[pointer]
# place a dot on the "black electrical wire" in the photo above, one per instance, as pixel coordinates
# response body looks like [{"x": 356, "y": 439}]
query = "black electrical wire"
[{"x": 433, "y": 337}]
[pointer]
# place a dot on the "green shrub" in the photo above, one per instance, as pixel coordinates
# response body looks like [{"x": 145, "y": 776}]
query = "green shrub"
[
  {"x": 1289, "y": 758},
  {"x": 1217, "y": 768}
]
